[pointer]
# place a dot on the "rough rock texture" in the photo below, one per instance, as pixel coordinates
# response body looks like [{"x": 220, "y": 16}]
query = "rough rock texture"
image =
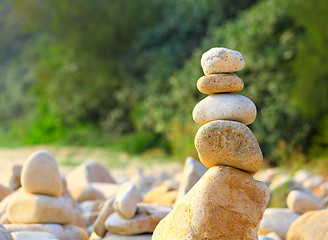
[
  {"x": 277, "y": 220},
  {"x": 301, "y": 202},
  {"x": 105, "y": 212},
  {"x": 228, "y": 143},
  {"x": 226, "y": 203},
  {"x": 225, "y": 106},
  {"x": 29, "y": 235},
  {"x": 312, "y": 225},
  {"x": 147, "y": 217},
  {"x": 192, "y": 172},
  {"x": 40, "y": 174},
  {"x": 37, "y": 208},
  {"x": 220, "y": 83},
  {"x": 59, "y": 231},
  {"x": 126, "y": 200},
  {"x": 221, "y": 60}
]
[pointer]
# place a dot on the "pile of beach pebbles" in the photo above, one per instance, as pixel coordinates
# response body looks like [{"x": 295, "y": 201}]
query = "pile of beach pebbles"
[
  {"x": 89, "y": 203},
  {"x": 305, "y": 214},
  {"x": 226, "y": 203}
]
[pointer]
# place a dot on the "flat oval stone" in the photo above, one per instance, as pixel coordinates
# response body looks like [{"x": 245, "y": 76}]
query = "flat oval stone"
[
  {"x": 302, "y": 202},
  {"x": 220, "y": 83},
  {"x": 145, "y": 221},
  {"x": 225, "y": 106},
  {"x": 221, "y": 60},
  {"x": 26, "y": 207},
  {"x": 40, "y": 174},
  {"x": 277, "y": 220},
  {"x": 228, "y": 143}
]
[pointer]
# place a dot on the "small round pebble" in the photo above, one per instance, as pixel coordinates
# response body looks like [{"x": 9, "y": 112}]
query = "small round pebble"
[
  {"x": 221, "y": 60},
  {"x": 225, "y": 106}
]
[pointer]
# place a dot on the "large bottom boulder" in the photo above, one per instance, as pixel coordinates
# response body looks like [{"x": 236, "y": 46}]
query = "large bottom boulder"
[{"x": 226, "y": 203}]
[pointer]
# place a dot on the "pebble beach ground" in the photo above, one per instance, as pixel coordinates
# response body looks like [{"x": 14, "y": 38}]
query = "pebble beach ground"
[{"x": 158, "y": 186}]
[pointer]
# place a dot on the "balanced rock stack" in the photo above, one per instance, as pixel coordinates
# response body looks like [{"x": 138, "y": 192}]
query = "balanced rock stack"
[
  {"x": 43, "y": 203},
  {"x": 226, "y": 203}
]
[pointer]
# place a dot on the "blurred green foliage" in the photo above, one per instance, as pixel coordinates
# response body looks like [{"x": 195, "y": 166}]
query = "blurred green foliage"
[{"x": 99, "y": 70}]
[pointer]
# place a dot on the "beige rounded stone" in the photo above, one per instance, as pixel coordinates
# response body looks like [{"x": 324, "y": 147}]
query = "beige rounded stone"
[
  {"x": 277, "y": 220},
  {"x": 161, "y": 195},
  {"x": 105, "y": 212},
  {"x": 147, "y": 217},
  {"x": 88, "y": 172},
  {"x": 3, "y": 192},
  {"x": 221, "y": 60},
  {"x": 226, "y": 203},
  {"x": 86, "y": 192},
  {"x": 40, "y": 174},
  {"x": 301, "y": 202},
  {"x": 62, "y": 232},
  {"x": 220, "y": 83},
  {"x": 193, "y": 170},
  {"x": 225, "y": 106},
  {"x": 312, "y": 225},
  {"x": 37, "y": 208},
  {"x": 228, "y": 143},
  {"x": 126, "y": 200},
  {"x": 13, "y": 181},
  {"x": 109, "y": 190}
]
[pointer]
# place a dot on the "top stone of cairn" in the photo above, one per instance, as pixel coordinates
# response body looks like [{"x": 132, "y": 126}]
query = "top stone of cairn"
[
  {"x": 221, "y": 60},
  {"x": 40, "y": 174}
]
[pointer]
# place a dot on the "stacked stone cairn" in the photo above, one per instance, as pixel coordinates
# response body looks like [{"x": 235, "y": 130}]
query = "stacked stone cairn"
[
  {"x": 124, "y": 215},
  {"x": 226, "y": 203},
  {"x": 43, "y": 203}
]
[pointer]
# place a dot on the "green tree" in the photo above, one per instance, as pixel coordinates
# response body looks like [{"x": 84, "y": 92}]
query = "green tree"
[
  {"x": 76, "y": 57},
  {"x": 15, "y": 79},
  {"x": 310, "y": 70}
]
